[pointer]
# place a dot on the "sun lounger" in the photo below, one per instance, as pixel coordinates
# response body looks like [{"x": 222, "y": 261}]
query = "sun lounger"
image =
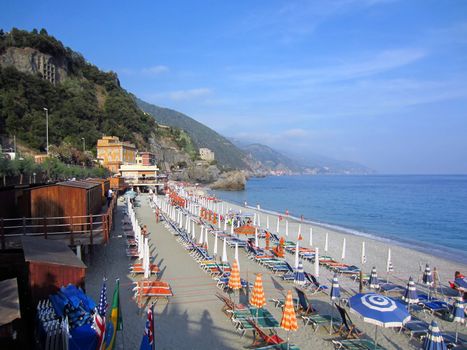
[
  {"x": 389, "y": 288},
  {"x": 156, "y": 284},
  {"x": 279, "y": 303},
  {"x": 272, "y": 339},
  {"x": 139, "y": 269},
  {"x": 415, "y": 327},
  {"x": 282, "y": 346},
  {"x": 356, "y": 344},
  {"x": 305, "y": 307},
  {"x": 263, "y": 318},
  {"x": 435, "y": 306},
  {"x": 229, "y": 304},
  {"x": 347, "y": 328},
  {"x": 317, "y": 320},
  {"x": 315, "y": 286}
]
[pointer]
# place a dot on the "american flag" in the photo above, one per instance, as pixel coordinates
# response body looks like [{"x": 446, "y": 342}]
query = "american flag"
[
  {"x": 149, "y": 330},
  {"x": 99, "y": 316}
]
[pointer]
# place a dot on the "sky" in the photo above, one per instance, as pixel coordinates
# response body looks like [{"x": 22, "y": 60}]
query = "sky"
[{"x": 379, "y": 82}]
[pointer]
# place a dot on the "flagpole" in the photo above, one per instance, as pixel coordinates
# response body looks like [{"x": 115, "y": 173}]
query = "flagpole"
[{"x": 153, "y": 328}]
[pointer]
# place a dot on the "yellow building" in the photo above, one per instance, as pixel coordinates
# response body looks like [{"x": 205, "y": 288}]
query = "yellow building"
[{"x": 112, "y": 152}]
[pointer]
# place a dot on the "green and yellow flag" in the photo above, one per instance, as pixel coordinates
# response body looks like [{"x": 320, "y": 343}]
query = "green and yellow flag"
[{"x": 115, "y": 322}]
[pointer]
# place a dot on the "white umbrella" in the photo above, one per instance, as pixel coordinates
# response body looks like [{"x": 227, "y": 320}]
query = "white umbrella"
[
  {"x": 343, "y": 249},
  {"x": 287, "y": 228},
  {"x": 215, "y": 245},
  {"x": 316, "y": 262},
  {"x": 311, "y": 236},
  {"x": 299, "y": 229},
  {"x": 363, "y": 257},
  {"x": 297, "y": 251},
  {"x": 193, "y": 230},
  {"x": 254, "y": 219},
  {"x": 326, "y": 243},
  {"x": 232, "y": 228},
  {"x": 389, "y": 266},
  {"x": 267, "y": 222},
  {"x": 146, "y": 258},
  {"x": 259, "y": 220},
  {"x": 256, "y": 237},
  {"x": 219, "y": 220},
  {"x": 201, "y": 235},
  {"x": 222, "y": 208},
  {"x": 236, "y": 254},
  {"x": 224, "y": 251},
  {"x": 277, "y": 226},
  {"x": 206, "y": 241},
  {"x": 225, "y": 224}
]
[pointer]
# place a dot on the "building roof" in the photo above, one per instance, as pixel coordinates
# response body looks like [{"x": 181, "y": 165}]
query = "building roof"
[
  {"x": 49, "y": 251},
  {"x": 79, "y": 184}
]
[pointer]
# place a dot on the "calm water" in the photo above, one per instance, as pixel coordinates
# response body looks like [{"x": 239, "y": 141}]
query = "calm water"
[{"x": 425, "y": 212}]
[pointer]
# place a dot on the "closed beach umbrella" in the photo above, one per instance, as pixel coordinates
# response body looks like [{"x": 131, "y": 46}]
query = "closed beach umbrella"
[
  {"x": 410, "y": 295},
  {"x": 427, "y": 276},
  {"x": 379, "y": 310},
  {"x": 257, "y": 298},
  {"x": 389, "y": 267},
  {"x": 316, "y": 262},
  {"x": 311, "y": 236},
  {"x": 277, "y": 225},
  {"x": 286, "y": 228},
  {"x": 267, "y": 222},
  {"x": 193, "y": 228},
  {"x": 236, "y": 254},
  {"x": 459, "y": 314},
  {"x": 146, "y": 259},
  {"x": 363, "y": 257},
  {"x": 259, "y": 220},
  {"x": 224, "y": 251},
  {"x": 434, "y": 340},
  {"x": 256, "y": 237},
  {"x": 234, "y": 279},
  {"x": 326, "y": 243},
  {"x": 219, "y": 220},
  {"x": 373, "y": 282},
  {"x": 254, "y": 219},
  {"x": 299, "y": 275},
  {"x": 289, "y": 319},
  {"x": 299, "y": 230},
  {"x": 201, "y": 235},
  {"x": 225, "y": 224},
  {"x": 232, "y": 228},
  {"x": 335, "y": 289},
  {"x": 343, "y": 249},
  {"x": 206, "y": 241},
  {"x": 215, "y": 245},
  {"x": 297, "y": 251}
]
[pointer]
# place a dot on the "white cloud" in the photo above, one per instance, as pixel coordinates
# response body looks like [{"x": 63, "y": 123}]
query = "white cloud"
[
  {"x": 155, "y": 70},
  {"x": 180, "y": 95},
  {"x": 144, "y": 72}
]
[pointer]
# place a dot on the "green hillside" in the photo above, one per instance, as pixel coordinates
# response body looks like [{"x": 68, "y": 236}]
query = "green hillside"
[
  {"x": 227, "y": 154},
  {"x": 87, "y": 104}
]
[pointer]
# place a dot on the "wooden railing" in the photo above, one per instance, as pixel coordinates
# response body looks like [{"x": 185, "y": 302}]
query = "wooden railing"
[{"x": 91, "y": 229}]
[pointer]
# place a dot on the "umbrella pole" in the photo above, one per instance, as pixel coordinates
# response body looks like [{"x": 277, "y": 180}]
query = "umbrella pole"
[
  {"x": 376, "y": 337},
  {"x": 457, "y": 326},
  {"x": 288, "y": 343},
  {"x": 332, "y": 314}
]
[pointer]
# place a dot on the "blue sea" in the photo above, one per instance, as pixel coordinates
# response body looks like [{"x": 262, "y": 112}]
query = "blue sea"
[{"x": 428, "y": 213}]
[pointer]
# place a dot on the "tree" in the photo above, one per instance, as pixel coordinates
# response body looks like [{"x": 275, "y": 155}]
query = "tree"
[{"x": 5, "y": 168}]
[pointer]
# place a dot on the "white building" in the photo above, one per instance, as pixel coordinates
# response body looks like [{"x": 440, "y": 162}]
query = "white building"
[{"x": 206, "y": 154}]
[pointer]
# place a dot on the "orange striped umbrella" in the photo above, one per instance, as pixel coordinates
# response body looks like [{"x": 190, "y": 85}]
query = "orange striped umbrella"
[
  {"x": 257, "y": 296},
  {"x": 234, "y": 280},
  {"x": 289, "y": 320}
]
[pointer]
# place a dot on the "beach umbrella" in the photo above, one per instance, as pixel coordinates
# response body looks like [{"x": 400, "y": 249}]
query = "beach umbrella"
[
  {"x": 410, "y": 295},
  {"x": 219, "y": 220},
  {"x": 373, "y": 282},
  {"x": 234, "y": 279},
  {"x": 259, "y": 220},
  {"x": 389, "y": 267},
  {"x": 363, "y": 256},
  {"x": 232, "y": 227},
  {"x": 267, "y": 222},
  {"x": 277, "y": 226},
  {"x": 289, "y": 319},
  {"x": 311, "y": 236},
  {"x": 215, "y": 245},
  {"x": 257, "y": 298},
  {"x": 299, "y": 230},
  {"x": 299, "y": 275},
  {"x": 225, "y": 223},
  {"x": 343, "y": 249},
  {"x": 427, "y": 276},
  {"x": 224, "y": 250},
  {"x": 335, "y": 294},
  {"x": 287, "y": 228},
  {"x": 379, "y": 310},
  {"x": 236, "y": 254},
  {"x": 222, "y": 208},
  {"x": 459, "y": 314},
  {"x": 256, "y": 237},
  {"x": 434, "y": 339},
  {"x": 254, "y": 219},
  {"x": 326, "y": 243},
  {"x": 146, "y": 258},
  {"x": 317, "y": 262},
  {"x": 201, "y": 235},
  {"x": 206, "y": 241},
  {"x": 297, "y": 252}
]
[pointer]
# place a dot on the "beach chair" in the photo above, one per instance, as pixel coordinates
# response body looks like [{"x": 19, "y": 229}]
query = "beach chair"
[
  {"x": 272, "y": 339},
  {"x": 435, "y": 306},
  {"x": 317, "y": 320},
  {"x": 229, "y": 304},
  {"x": 356, "y": 344},
  {"x": 347, "y": 328},
  {"x": 305, "y": 307},
  {"x": 137, "y": 268},
  {"x": 314, "y": 286},
  {"x": 262, "y": 316},
  {"x": 279, "y": 303},
  {"x": 281, "y": 346},
  {"x": 415, "y": 327},
  {"x": 391, "y": 288}
]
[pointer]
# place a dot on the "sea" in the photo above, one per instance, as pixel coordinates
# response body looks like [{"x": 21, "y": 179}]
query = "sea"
[{"x": 423, "y": 212}]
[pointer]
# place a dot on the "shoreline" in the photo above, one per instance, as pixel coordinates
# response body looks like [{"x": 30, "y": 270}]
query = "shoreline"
[{"x": 421, "y": 247}]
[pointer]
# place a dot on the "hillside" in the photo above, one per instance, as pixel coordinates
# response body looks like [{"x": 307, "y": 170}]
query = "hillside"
[
  {"x": 226, "y": 153},
  {"x": 38, "y": 71},
  {"x": 272, "y": 160}
]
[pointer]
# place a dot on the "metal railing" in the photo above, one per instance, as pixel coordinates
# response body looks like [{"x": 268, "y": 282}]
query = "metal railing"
[{"x": 86, "y": 228}]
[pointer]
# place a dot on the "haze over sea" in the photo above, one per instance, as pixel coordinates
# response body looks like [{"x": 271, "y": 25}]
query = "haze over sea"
[{"x": 428, "y": 213}]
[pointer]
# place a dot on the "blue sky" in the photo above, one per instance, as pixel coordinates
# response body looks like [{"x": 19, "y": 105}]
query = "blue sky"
[{"x": 380, "y": 82}]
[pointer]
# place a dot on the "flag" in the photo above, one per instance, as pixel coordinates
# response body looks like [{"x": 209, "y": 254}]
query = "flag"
[
  {"x": 99, "y": 317},
  {"x": 147, "y": 343},
  {"x": 115, "y": 322}
]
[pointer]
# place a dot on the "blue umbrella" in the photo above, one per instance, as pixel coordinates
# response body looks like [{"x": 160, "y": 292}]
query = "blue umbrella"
[
  {"x": 373, "y": 282},
  {"x": 299, "y": 276},
  {"x": 427, "y": 276},
  {"x": 379, "y": 310},
  {"x": 459, "y": 314},
  {"x": 335, "y": 290},
  {"x": 434, "y": 340},
  {"x": 410, "y": 295}
]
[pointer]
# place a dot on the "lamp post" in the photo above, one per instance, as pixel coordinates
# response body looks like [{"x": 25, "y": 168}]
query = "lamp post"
[
  {"x": 47, "y": 128},
  {"x": 84, "y": 144}
]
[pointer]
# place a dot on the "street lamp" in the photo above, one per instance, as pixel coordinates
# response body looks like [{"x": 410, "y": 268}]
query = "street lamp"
[
  {"x": 47, "y": 128},
  {"x": 84, "y": 144}
]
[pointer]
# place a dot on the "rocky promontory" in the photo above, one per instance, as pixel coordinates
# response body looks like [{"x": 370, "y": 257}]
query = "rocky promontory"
[{"x": 230, "y": 181}]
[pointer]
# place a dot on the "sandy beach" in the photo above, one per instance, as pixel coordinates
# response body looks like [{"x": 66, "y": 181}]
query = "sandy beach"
[{"x": 192, "y": 318}]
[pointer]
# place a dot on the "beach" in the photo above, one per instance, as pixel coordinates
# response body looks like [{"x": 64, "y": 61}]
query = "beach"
[{"x": 193, "y": 319}]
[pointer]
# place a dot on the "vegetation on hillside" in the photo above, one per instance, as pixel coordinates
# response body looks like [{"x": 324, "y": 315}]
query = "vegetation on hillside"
[{"x": 75, "y": 111}]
